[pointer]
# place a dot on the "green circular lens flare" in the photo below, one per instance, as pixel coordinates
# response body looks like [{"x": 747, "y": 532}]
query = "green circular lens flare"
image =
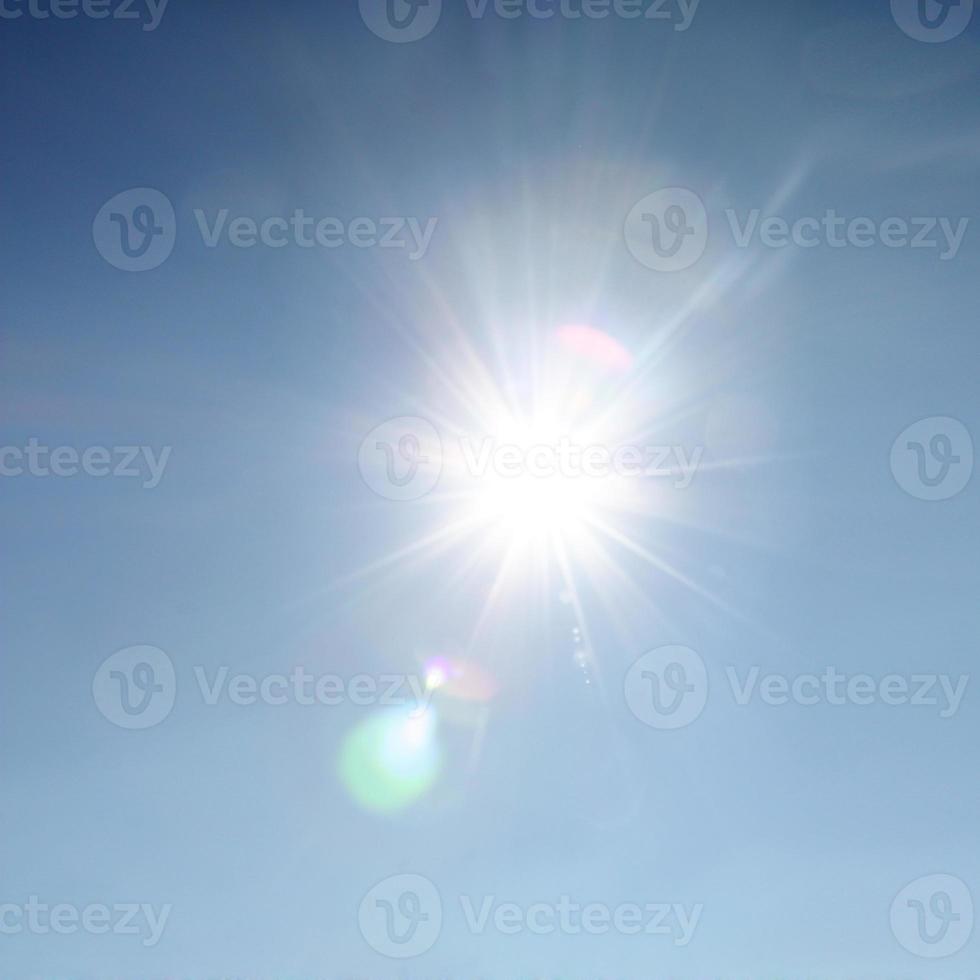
[{"x": 388, "y": 761}]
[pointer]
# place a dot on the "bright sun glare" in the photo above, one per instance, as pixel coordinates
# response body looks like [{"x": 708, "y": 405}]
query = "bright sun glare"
[
  {"x": 532, "y": 482},
  {"x": 537, "y": 498}
]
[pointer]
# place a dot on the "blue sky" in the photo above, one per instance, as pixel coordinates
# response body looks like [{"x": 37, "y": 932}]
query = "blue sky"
[{"x": 795, "y": 549}]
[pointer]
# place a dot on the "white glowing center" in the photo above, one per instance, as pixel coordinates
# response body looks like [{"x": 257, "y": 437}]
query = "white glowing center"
[{"x": 534, "y": 484}]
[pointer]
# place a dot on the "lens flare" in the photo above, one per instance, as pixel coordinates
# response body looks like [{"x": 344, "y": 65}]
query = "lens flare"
[
  {"x": 391, "y": 760},
  {"x": 463, "y": 680},
  {"x": 595, "y": 346},
  {"x": 438, "y": 670}
]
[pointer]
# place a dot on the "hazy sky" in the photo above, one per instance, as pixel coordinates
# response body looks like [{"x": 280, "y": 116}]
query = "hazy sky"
[{"x": 462, "y": 197}]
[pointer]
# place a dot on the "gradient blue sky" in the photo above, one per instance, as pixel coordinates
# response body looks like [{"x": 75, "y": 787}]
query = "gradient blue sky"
[{"x": 530, "y": 141}]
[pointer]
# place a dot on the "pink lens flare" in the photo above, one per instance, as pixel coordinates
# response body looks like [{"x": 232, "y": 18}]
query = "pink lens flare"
[
  {"x": 464, "y": 680},
  {"x": 596, "y": 346}
]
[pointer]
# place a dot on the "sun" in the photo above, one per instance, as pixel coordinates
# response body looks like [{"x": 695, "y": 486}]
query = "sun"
[
  {"x": 545, "y": 482},
  {"x": 532, "y": 508},
  {"x": 529, "y": 485}
]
